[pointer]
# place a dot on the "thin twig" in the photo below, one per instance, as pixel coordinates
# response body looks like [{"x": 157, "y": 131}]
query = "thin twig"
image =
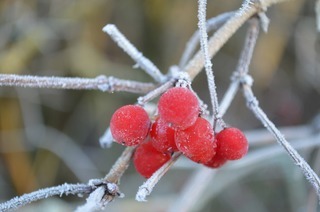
[
  {"x": 247, "y": 10},
  {"x": 101, "y": 83},
  {"x": 137, "y": 56},
  {"x": 253, "y": 105},
  {"x": 146, "y": 188},
  {"x": 212, "y": 24},
  {"x": 155, "y": 93},
  {"x": 242, "y": 67},
  {"x": 60, "y": 190},
  {"x": 208, "y": 64}
]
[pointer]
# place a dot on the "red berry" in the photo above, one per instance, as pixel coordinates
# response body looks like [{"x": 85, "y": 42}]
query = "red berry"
[
  {"x": 197, "y": 142},
  {"x": 130, "y": 125},
  {"x": 216, "y": 161},
  {"x": 162, "y": 136},
  {"x": 232, "y": 144},
  {"x": 147, "y": 159},
  {"x": 179, "y": 107}
]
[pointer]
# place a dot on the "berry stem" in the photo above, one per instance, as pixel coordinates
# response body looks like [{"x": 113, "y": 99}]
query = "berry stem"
[
  {"x": 155, "y": 93},
  {"x": 146, "y": 188},
  {"x": 208, "y": 65}
]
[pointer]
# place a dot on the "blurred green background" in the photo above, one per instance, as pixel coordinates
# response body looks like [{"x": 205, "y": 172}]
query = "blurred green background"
[{"x": 48, "y": 137}]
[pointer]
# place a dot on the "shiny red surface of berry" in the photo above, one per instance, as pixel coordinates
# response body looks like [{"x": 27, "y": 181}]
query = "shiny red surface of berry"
[
  {"x": 216, "y": 161},
  {"x": 197, "y": 142},
  {"x": 232, "y": 144},
  {"x": 130, "y": 125},
  {"x": 179, "y": 107},
  {"x": 162, "y": 137},
  {"x": 147, "y": 159}
]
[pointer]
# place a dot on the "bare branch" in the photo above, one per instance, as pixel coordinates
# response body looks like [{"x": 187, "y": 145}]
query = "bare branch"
[
  {"x": 155, "y": 93},
  {"x": 242, "y": 67},
  {"x": 137, "y": 56},
  {"x": 98, "y": 199},
  {"x": 60, "y": 190},
  {"x": 253, "y": 105},
  {"x": 212, "y": 24},
  {"x": 120, "y": 166},
  {"x": 146, "y": 188},
  {"x": 247, "y": 10},
  {"x": 208, "y": 64},
  {"x": 101, "y": 83}
]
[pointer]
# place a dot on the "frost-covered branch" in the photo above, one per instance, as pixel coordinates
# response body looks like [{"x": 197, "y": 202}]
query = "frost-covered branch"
[
  {"x": 208, "y": 65},
  {"x": 253, "y": 105},
  {"x": 242, "y": 67},
  {"x": 65, "y": 189},
  {"x": 155, "y": 93},
  {"x": 101, "y": 83},
  {"x": 98, "y": 199},
  {"x": 247, "y": 10},
  {"x": 212, "y": 24},
  {"x": 146, "y": 188},
  {"x": 142, "y": 62}
]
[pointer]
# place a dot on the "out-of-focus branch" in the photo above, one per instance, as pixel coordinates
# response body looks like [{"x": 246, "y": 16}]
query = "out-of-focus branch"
[{"x": 101, "y": 83}]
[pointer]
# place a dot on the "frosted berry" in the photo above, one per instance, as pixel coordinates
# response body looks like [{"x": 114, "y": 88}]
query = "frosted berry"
[
  {"x": 197, "y": 142},
  {"x": 130, "y": 125},
  {"x": 162, "y": 137},
  {"x": 232, "y": 144},
  {"x": 147, "y": 159},
  {"x": 179, "y": 107},
  {"x": 216, "y": 161}
]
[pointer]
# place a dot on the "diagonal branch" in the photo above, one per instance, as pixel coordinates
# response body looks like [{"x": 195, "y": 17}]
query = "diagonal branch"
[
  {"x": 146, "y": 188},
  {"x": 247, "y": 10},
  {"x": 101, "y": 83},
  {"x": 137, "y": 56},
  {"x": 253, "y": 105},
  {"x": 242, "y": 67},
  {"x": 212, "y": 24}
]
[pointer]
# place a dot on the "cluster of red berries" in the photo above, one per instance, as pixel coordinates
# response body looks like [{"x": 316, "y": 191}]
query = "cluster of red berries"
[{"x": 178, "y": 127}]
